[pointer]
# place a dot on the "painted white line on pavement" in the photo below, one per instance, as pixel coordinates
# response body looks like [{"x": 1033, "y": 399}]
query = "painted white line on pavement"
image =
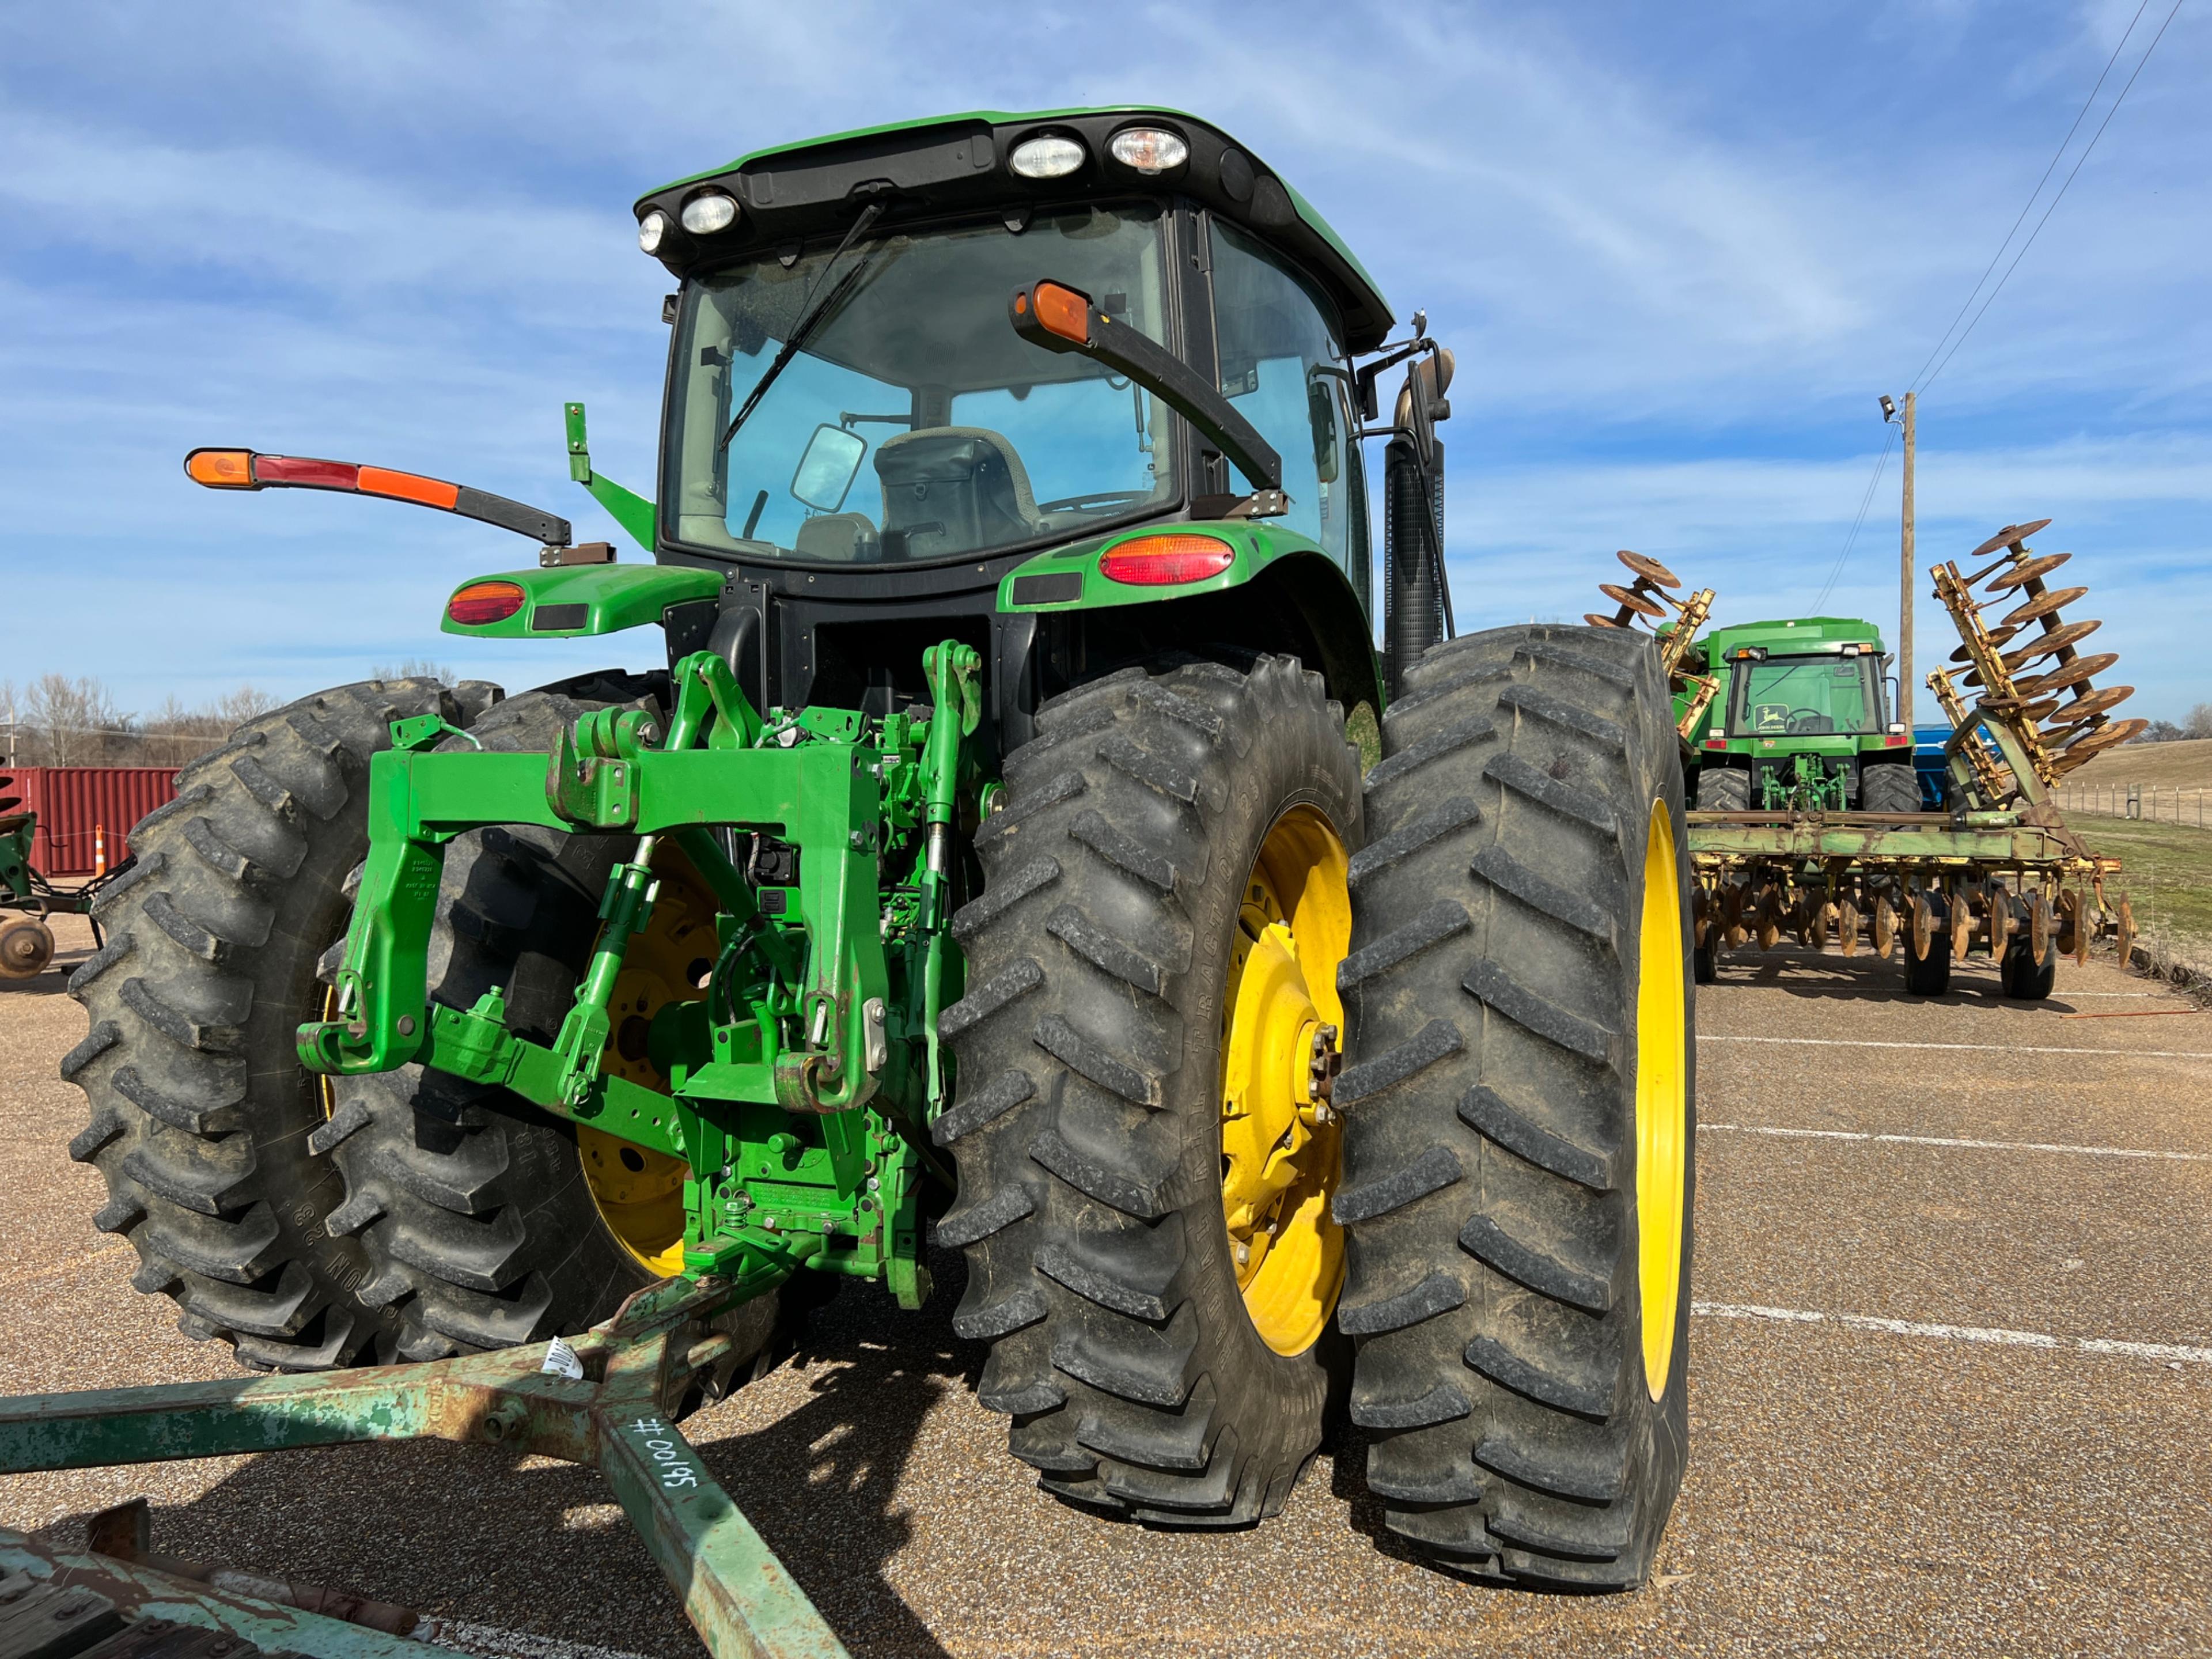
[
  {"x": 2172, "y": 1353},
  {"x": 1977, "y": 1047},
  {"x": 1946, "y": 1140},
  {"x": 494, "y": 1642}
]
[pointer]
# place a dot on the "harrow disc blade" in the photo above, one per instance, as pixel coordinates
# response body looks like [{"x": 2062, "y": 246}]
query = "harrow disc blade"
[
  {"x": 2097, "y": 739},
  {"x": 1642, "y": 603},
  {"x": 1998, "y": 637},
  {"x": 2067, "y": 716},
  {"x": 2005, "y": 580},
  {"x": 1596, "y": 621},
  {"x": 2050, "y": 644},
  {"x": 2066, "y": 674},
  {"x": 1649, "y": 569},
  {"x": 2035, "y": 713},
  {"x": 2005, "y": 538},
  {"x": 2043, "y": 604}
]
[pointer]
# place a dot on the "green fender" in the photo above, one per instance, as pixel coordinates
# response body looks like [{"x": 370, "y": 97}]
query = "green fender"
[
  {"x": 1294, "y": 570},
  {"x": 571, "y": 600}
]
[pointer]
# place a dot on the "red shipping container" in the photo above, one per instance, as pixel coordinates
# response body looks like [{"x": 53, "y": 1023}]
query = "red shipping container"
[{"x": 77, "y": 805}]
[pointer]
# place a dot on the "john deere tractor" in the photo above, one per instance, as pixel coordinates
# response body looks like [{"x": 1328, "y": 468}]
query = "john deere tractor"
[
  {"x": 984, "y": 854},
  {"x": 1803, "y": 722}
]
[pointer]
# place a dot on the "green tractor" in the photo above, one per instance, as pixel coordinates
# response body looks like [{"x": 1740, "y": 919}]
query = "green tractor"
[
  {"x": 1803, "y": 722},
  {"x": 988, "y": 862}
]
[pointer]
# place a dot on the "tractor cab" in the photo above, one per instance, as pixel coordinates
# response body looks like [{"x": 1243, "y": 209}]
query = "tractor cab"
[
  {"x": 1803, "y": 721},
  {"x": 981, "y": 363}
]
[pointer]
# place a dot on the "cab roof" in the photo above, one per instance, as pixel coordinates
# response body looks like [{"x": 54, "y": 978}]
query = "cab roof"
[
  {"x": 1798, "y": 633},
  {"x": 789, "y": 192}
]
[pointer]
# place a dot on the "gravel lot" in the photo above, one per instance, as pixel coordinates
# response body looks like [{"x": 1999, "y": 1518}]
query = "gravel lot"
[{"x": 1913, "y": 1430}]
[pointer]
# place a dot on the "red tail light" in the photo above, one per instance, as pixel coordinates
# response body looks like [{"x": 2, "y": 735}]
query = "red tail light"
[
  {"x": 485, "y": 602},
  {"x": 1162, "y": 561}
]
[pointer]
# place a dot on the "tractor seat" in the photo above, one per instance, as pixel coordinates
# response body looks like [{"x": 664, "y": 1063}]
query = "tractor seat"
[
  {"x": 848, "y": 538},
  {"x": 953, "y": 489}
]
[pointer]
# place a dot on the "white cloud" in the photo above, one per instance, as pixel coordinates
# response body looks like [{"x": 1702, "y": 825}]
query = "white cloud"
[{"x": 1679, "y": 253}]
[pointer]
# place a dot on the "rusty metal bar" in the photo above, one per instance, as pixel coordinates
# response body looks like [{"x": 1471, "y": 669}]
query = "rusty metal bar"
[{"x": 618, "y": 1416}]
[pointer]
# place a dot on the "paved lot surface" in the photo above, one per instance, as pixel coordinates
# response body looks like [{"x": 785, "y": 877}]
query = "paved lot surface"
[{"x": 1947, "y": 1399}]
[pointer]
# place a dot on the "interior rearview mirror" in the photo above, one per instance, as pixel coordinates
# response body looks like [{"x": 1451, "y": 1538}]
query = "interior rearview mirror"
[{"x": 827, "y": 468}]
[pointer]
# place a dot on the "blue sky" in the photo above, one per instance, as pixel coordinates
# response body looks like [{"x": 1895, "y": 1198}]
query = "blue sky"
[{"x": 1679, "y": 250}]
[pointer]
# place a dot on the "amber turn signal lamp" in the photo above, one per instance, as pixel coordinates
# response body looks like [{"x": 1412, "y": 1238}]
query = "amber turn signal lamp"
[
  {"x": 1064, "y": 311},
  {"x": 480, "y": 603},
  {"x": 1162, "y": 561},
  {"x": 220, "y": 469},
  {"x": 409, "y": 487}
]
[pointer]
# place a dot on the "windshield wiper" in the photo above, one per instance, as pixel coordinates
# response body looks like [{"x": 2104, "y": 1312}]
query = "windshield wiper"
[{"x": 811, "y": 317}]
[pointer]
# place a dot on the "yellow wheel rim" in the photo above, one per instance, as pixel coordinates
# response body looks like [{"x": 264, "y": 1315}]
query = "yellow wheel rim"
[
  {"x": 1662, "y": 1100},
  {"x": 640, "y": 1192},
  {"x": 1281, "y": 1149}
]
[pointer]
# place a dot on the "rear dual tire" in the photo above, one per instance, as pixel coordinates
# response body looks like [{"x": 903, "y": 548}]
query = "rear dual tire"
[
  {"x": 1518, "y": 1180},
  {"x": 403, "y": 1216},
  {"x": 1088, "y": 1122},
  {"x": 1892, "y": 787}
]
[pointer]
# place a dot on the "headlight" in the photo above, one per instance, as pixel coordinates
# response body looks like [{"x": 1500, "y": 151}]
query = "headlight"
[
  {"x": 705, "y": 215},
  {"x": 1148, "y": 150},
  {"x": 1052, "y": 156},
  {"x": 650, "y": 230}
]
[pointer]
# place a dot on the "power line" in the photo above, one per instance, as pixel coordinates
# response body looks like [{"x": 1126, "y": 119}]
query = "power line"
[
  {"x": 2028, "y": 205},
  {"x": 2086, "y": 150},
  {"x": 1866, "y": 501},
  {"x": 1882, "y": 461}
]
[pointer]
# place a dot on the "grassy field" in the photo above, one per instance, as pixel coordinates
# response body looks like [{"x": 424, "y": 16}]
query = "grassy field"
[
  {"x": 2185, "y": 765},
  {"x": 2168, "y": 879}
]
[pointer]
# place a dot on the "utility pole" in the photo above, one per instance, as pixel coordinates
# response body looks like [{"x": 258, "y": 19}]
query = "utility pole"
[{"x": 1905, "y": 580}]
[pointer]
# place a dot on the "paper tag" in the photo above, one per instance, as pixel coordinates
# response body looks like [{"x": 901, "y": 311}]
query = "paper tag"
[{"x": 560, "y": 1361}]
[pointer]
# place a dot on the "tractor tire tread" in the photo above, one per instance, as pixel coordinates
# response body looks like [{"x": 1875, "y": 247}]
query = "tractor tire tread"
[
  {"x": 1498, "y": 1368},
  {"x": 1136, "y": 1394}
]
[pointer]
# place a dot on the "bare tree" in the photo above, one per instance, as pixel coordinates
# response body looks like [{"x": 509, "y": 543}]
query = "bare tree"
[
  {"x": 416, "y": 668},
  {"x": 2198, "y": 723},
  {"x": 74, "y": 720},
  {"x": 176, "y": 733}
]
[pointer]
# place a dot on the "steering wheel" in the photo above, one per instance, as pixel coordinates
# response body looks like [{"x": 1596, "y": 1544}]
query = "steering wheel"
[
  {"x": 1795, "y": 731},
  {"x": 1096, "y": 500}
]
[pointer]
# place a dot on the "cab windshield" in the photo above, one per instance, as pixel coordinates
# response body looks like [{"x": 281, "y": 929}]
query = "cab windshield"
[
  {"x": 1807, "y": 696},
  {"x": 914, "y": 424}
]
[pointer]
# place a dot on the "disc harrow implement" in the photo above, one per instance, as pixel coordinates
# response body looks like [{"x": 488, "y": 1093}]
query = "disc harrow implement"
[
  {"x": 2057, "y": 734},
  {"x": 1647, "y": 600},
  {"x": 1997, "y": 871}
]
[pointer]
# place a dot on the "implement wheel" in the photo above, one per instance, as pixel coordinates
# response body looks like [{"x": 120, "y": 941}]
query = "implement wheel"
[
  {"x": 1927, "y": 946},
  {"x": 1146, "y": 1152},
  {"x": 1518, "y": 1178},
  {"x": 2029, "y": 967},
  {"x": 316, "y": 1222}
]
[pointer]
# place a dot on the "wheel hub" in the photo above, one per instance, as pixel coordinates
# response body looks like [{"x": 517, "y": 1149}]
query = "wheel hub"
[{"x": 1281, "y": 1141}]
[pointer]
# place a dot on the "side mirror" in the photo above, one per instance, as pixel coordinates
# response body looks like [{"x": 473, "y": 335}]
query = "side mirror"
[
  {"x": 827, "y": 468},
  {"x": 1421, "y": 400}
]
